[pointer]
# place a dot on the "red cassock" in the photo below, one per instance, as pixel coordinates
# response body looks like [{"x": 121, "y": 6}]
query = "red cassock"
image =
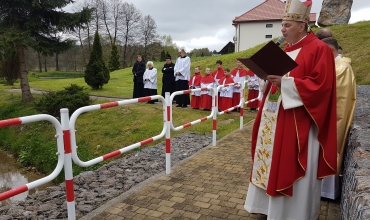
[
  {"x": 315, "y": 81},
  {"x": 236, "y": 95},
  {"x": 195, "y": 81},
  {"x": 205, "y": 99},
  {"x": 225, "y": 102}
]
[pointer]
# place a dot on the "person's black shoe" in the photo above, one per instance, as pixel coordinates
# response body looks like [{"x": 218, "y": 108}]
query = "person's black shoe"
[
  {"x": 184, "y": 106},
  {"x": 234, "y": 110}
]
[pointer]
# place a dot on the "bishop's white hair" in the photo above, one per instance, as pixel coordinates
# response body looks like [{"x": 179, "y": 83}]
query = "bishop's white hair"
[{"x": 150, "y": 62}]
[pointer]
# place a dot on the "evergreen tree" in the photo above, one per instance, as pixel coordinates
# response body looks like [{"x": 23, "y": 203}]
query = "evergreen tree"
[
  {"x": 163, "y": 56},
  {"x": 9, "y": 68},
  {"x": 113, "y": 62},
  {"x": 96, "y": 73},
  {"x": 26, "y": 23}
]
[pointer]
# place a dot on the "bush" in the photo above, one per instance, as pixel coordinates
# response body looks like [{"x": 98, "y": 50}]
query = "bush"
[
  {"x": 72, "y": 97},
  {"x": 114, "y": 59},
  {"x": 96, "y": 73}
]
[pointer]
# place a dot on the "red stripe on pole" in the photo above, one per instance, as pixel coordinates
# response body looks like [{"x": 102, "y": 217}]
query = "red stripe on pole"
[
  {"x": 108, "y": 105},
  {"x": 186, "y": 91},
  {"x": 214, "y": 124},
  {"x": 204, "y": 88},
  {"x": 241, "y": 111},
  {"x": 168, "y": 146},
  {"x": 168, "y": 113},
  {"x": 187, "y": 125},
  {"x": 70, "y": 191},
  {"x": 111, "y": 154},
  {"x": 67, "y": 141},
  {"x": 147, "y": 141},
  {"x": 203, "y": 119},
  {"x": 10, "y": 122},
  {"x": 13, "y": 192},
  {"x": 144, "y": 99}
]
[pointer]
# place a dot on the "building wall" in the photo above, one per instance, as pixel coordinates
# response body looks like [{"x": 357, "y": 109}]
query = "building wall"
[{"x": 251, "y": 34}]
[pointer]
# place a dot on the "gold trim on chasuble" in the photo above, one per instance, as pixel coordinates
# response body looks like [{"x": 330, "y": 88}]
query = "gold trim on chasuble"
[{"x": 266, "y": 135}]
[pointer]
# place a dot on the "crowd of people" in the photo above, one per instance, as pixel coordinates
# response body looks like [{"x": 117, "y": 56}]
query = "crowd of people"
[{"x": 176, "y": 77}]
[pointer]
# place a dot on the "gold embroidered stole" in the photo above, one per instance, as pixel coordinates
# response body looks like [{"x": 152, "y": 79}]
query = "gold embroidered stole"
[{"x": 266, "y": 134}]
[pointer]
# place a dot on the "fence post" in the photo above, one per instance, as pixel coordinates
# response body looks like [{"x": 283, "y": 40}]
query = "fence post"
[
  {"x": 241, "y": 109},
  {"x": 68, "y": 173},
  {"x": 168, "y": 132},
  {"x": 215, "y": 111}
]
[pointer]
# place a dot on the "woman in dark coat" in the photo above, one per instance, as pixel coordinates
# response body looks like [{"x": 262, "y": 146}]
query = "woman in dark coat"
[
  {"x": 138, "y": 72},
  {"x": 168, "y": 79}
]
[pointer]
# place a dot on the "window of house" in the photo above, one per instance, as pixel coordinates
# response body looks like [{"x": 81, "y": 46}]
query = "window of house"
[
  {"x": 268, "y": 36},
  {"x": 269, "y": 25}
]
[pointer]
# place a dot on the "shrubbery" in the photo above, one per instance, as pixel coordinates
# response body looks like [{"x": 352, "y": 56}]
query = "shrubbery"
[
  {"x": 72, "y": 97},
  {"x": 96, "y": 73}
]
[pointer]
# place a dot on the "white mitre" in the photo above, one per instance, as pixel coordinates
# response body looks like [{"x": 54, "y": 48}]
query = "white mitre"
[{"x": 296, "y": 10}]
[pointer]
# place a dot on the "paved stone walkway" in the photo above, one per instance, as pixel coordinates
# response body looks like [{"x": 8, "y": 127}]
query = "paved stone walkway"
[{"x": 210, "y": 185}]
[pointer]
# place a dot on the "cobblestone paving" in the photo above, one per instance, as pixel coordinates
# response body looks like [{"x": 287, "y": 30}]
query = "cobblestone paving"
[{"x": 211, "y": 185}]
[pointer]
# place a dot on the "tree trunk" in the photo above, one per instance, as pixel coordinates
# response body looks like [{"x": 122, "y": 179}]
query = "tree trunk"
[
  {"x": 57, "y": 62},
  {"x": 40, "y": 64},
  {"x": 45, "y": 65},
  {"x": 25, "y": 87}
]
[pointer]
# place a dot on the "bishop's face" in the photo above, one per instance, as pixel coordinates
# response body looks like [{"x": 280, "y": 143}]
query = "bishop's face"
[{"x": 292, "y": 31}]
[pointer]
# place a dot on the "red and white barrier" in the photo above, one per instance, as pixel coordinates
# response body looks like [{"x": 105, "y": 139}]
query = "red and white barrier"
[
  {"x": 68, "y": 171},
  {"x": 60, "y": 152},
  {"x": 79, "y": 111}
]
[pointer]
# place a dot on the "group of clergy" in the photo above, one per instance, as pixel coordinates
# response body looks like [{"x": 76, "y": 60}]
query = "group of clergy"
[{"x": 176, "y": 77}]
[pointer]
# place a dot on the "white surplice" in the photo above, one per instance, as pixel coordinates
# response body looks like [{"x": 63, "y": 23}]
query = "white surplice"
[
  {"x": 226, "y": 91},
  {"x": 151, "y": 75},
  {"x": 206, "y": 85},
  {"x": 238, "y": 79},
  {"x": 182, "y": 66}
]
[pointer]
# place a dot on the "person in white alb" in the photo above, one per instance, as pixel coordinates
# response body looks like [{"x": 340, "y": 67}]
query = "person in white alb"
[
  {"x": 253, "y": 90},
  {"x": 182, "y": 76},
  {"x": 150, "y": 81}
]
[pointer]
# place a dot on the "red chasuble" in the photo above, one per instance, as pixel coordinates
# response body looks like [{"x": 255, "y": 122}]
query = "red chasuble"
[
  {"x": 197, "y": 79},
  {"x": 218, "y": 73},
  {"x": 242, "y": 72},
  {"x": 226, "y": 80},
  {"x": 315, "y": 81}
]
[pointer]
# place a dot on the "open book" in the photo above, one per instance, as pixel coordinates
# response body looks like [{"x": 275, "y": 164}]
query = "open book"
[{"x": 269, "y": 60}]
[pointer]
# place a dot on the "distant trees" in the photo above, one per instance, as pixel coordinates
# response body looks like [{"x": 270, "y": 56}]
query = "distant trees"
[
  {"x": 25, "y": 22},
  {"x": 96, "y": 73}
]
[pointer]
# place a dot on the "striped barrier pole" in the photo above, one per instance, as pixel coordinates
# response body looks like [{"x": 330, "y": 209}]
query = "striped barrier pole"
[
  {"x": 168, "y": 132},
  {"x": 193, "y": 122},
  {"x": 122, "y": 150},
  {"x": 68, "y": 172},
  {"x": 241, "y": 108},
  {"x": 214, "y": 111},
  {"x": 60, "y": 153}
]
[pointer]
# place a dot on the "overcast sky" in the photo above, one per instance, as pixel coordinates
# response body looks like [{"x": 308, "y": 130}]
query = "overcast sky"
[{"x": 208, "y": 23}]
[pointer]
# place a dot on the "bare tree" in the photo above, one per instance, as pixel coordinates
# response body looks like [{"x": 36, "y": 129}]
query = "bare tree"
[
  {"x": 148, "y": 33},
  {"x": 130, "y": 22}
]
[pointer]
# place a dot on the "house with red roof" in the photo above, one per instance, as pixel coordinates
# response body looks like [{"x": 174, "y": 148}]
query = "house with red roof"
[{"x": 260, "y": 24}]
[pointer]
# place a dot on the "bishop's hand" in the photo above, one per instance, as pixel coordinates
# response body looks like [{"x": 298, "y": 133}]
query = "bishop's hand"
[{"x": 276, "y": 80}]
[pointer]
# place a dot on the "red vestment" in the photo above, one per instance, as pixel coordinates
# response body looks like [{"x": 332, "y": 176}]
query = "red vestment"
[
  {"x": 315, "y": 81},
  {"x": 205, "y": 99},
  {"x": 242, "y": 72},
  {"x": 195, "y": 81},
  {"x": 226, "y": 102},
  {"x": 218, "y": 73}
]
